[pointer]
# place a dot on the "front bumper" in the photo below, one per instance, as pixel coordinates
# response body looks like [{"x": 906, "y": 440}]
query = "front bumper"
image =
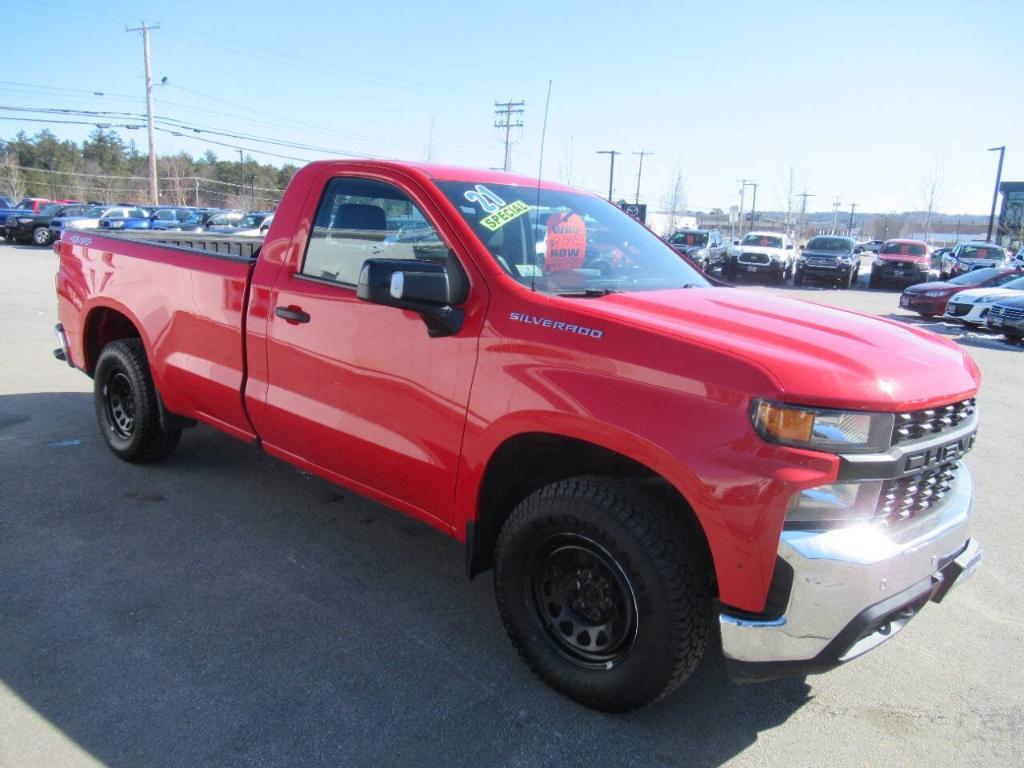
[
  {"x": 774, "y": 267},
  {"x": 852, "y": 589},
  {"x": 907, "y": 274},
  {"x": 1009, "y": 326},
  {"x": 926, "y": 305}
]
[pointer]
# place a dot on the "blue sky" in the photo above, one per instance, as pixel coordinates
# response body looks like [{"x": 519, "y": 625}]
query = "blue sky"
[{"x": 861, "y": 98}]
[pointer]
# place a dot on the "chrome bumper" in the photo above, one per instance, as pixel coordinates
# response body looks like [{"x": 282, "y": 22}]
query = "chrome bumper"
[{"x": 854, "y": 588}]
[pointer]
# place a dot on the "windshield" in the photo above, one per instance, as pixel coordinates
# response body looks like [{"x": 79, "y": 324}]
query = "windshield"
[
  {"x": 567, "y": 242},
  {"x": 94, "y": 213},
  {"x": 50, "y": 210},
  {"x": 762, "y": 241},
  {"x": 904, "y": 249},
  {"x": 252, "y": 221},
  {"x": 837, "y": 244},
  {"x": 976, "y": 277},
  {"x": 1017, "y": 284},
  {"x": 976, "y": 252},
  {"x": 699, "y": 239}
]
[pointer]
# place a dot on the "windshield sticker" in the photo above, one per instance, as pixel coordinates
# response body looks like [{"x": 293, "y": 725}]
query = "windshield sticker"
[
  {"x": 503, "y": 216},
  {"x": 528, "y": 270},
  {"x": 565, "y": 245},
  {"x": 487, "y": 200}
]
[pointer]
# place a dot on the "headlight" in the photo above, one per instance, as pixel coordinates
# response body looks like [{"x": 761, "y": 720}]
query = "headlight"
[
  {"x": 24, "y": 220},
  {"x": 822, "y": 429},
  {"x": 833, "y": 504},
  {"x": 934, "y": 294}
]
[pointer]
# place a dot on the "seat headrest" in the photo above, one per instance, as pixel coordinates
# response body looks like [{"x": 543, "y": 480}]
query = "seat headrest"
[{"x": 361, "y": 216}]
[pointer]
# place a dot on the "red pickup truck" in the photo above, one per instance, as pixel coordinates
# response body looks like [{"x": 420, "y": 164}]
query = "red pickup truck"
[{"x": 645, "y": 458}]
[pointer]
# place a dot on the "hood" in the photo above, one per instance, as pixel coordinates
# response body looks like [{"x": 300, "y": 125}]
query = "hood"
[
  {"x": 759, "y": 249},
  {"x": 935, "y": 285},
  {"x": 818, "y": 355},
  {"x": 907, "y": 258},
  {"x": 972, "y": 295},
  {"x": 688, "y": 249},
  {"x": 826, "y": 254}
]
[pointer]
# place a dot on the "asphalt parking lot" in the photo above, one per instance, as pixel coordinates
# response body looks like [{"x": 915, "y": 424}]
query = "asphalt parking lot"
[{"x": 223, "y": 608}]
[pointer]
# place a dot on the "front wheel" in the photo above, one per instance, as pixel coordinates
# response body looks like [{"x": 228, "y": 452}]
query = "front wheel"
[
  {"x": 126, "y": 404},
  {"x": 41, "y": 235},
  {"x": 604, "y": 592}
]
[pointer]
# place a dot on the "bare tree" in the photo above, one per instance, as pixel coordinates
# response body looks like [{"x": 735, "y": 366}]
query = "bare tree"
[
  {"x": 674, "y": 200},
  {"x": 790, "y": 184},
  {"x": 934, "y": 189},
  {"x": 567, "y": 168},
  {"x": 12, "y": 180},
  {"x": 430, "y": 149}
]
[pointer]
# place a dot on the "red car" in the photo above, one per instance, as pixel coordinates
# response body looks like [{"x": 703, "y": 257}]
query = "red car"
[
  {"x": 900, "y": 261},
  {"x": 930, "y": 299},
  {"x": 647, "y": 461}
]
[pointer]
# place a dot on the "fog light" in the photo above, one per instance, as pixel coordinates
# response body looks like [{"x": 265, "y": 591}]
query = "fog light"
[{"x": 834, "y": 504}]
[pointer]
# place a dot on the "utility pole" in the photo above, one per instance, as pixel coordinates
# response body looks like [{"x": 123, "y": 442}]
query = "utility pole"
[
  {"x": 241, "y": 174},
  {"x": 853, "y": 207},
  {"x": 753, "y": 205},
  {"x": 640, "y": 170},
  {"x": 611, "y": 175},
  {"x": 197, "y": 192},
  {"x": 803, "y": 211},
  {"x": 743, "y": 190},
  {"x": 835, "y": 215},
  {"x": 154, "y": 194},
  {"x": 508, "y": 115},
  {"x": 995, "y": 192},
  {"x": 252, "y": 191}
]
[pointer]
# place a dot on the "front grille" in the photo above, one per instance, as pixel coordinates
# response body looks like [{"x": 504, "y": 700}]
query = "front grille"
[
  {"x": 822, "y": 261},
  {"x": 1010, "y": 313},
  {"x": 910, "y": 496},
  {"x": 754, "y": 258},
  {"x": 931, "y": 421},
  {"x": 958, "y": 310}
]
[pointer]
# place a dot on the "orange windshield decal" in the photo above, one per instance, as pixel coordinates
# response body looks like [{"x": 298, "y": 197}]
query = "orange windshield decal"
[{"x": 565, "y": 244}]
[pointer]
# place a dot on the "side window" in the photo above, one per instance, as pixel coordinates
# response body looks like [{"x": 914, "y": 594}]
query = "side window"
[{"x": 360, "y": 219}]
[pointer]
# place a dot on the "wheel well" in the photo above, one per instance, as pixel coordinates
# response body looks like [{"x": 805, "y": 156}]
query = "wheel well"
[
  {"x": 102, "y": 326},
  {"x": 528, "y": 462}
]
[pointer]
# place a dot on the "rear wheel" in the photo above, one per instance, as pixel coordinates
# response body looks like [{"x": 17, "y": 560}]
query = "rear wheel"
[
  {"x": 873, "y": 281},
  {"x": 126, "y": 404},
  {"x": 41, "y": 235},
  {"x": 603, "y": 591},
  {"x": 798, "y": 277}
]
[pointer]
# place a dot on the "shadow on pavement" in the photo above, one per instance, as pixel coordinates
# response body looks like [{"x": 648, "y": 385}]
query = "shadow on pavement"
[{"x": 223, "y": 608}]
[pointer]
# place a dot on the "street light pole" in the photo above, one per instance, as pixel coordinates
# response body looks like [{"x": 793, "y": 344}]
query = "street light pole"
[
  {"x": 611, "y": 174},
  {"x": 995, "y": 192},
  {"x": 743, "y": 192},
  {"x": 853, "y": 207}
]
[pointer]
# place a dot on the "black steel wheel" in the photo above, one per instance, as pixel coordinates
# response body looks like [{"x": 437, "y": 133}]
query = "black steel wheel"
[
  {"x": 126, "y": 404},
  {"x": 583, "y": 599},
  {"x": 604, "y": 591}
]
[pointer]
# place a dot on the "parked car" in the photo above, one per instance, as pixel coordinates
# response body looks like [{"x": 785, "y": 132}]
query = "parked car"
[
  {"x": 704, "y": 247},
  {"x": 646, "y": 460},
  {"x": 170, "y": 218},
  {"x": 6, "y": 202},
  {"x": 198, "y": 220},
  {"x": 34, "y": 204},
  {"x": 900, "y": 261},
  {"x": 973, "y": 305},
  {"x": 829, "y": 258},
  {"x": 972, "y": 255},
  {"x": 929, "y": 299},
  {"x": 235, "y": 223},
  {"x": 1007, "y": 315},
  {"x": 869, "y": 246},
  {"x": 35, "y": 227},
  {"x": 260, "y": 230},
  {"x": 90, "y": 217},
  {"x": 125, "y": 218},
  {"x": 760, "y": 253}
]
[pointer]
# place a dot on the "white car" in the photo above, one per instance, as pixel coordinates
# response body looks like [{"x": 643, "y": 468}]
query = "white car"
[
  {"x": 768, "y": 253},
  {"x": 972, "y": 306}
]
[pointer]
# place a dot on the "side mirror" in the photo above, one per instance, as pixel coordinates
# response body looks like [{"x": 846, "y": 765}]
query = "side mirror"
[{"x": 419, "y": 286}]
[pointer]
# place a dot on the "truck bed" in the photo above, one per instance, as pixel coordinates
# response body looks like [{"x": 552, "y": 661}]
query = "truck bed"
[{"x": 225, "y": 245}]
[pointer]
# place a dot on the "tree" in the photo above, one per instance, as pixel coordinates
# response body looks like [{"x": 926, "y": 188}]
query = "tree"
[
  {"x": 674, "y": 200},
  {"x": 12, "y": 180},
  {"x": 567, "y": 168},
  {"x": 934, "y": 189},
  {"x": 430, "y": 150}
]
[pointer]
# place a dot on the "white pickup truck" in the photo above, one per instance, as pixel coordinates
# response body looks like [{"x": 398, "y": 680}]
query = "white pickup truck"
[{"x": 768, "y": 253}]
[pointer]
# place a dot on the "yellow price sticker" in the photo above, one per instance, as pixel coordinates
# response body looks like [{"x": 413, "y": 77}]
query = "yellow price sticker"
[{"x": 503, "y": 216}]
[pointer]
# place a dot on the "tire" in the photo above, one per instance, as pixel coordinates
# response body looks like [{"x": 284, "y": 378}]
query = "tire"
[
  {"x": 873, "y": 281},
  {"x": 126, "y": 405},
  {"x": 798, "y": 278},
  {"x": 41, "y": 236},
  {"x": 604, "y": 592},
  {"x": 728, "y": 272},
  {"x": 847, "y": 281}
]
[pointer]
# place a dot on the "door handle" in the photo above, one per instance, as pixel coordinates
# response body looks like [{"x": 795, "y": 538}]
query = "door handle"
[{"x": 292, "y": 314}]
